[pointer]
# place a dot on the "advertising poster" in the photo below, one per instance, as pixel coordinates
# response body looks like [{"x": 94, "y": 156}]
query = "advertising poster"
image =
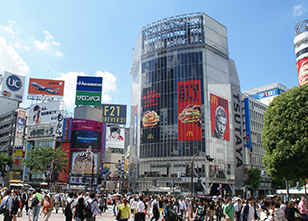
[
  {"x": 135, "y": 129},
  {"x": 219, "y": 118},
  {"x": 189, "y": 110},
  {"x": 114, "y": 114},
  {"x": 150, "y": 132},
  {"x": 82, "y": 163},
  {"x": 59, "y": 125},
  {"x": 66, "y": 130},
  {"x": 103, "y": 141},
  {"x": 45, "y": 88},
  {"x": 89, "y": 91},
  {"x": 86, "y": 133},
  {"x": 44, "y": 113},
  {"x": 115, "y": 137},
  {"x": 20, "y": 122},
  {"x": 39, "y": 132},
  {"x": 302, "y": 71},
  {"x": 12, "y": 86}
]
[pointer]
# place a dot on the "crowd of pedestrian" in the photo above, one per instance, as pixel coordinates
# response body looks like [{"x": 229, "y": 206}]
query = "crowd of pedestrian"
[{"x": 87, "y": 206}]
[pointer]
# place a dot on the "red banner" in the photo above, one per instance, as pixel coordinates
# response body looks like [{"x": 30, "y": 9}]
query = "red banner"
[
  {"x": 302, "y": 71},
  {"x": 219, "y": 117},
  {"x": 189, "y": 110}
]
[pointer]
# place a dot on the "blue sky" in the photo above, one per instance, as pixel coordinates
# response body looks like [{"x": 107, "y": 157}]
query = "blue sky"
[{"x": 60, "y": 39}]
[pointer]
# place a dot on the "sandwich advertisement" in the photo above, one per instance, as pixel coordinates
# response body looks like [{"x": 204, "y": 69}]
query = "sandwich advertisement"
[
  {"x": 302, "y": 71},
  {"x": 219, "y": 118},
  {"x": 189, "y": 110},
  {"x": 150, "y": 114}
]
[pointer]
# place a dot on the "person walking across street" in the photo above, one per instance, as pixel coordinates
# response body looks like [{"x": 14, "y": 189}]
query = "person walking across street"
[
  {"x": 94, "y": 207},
  {"x": 7, "y": 201},
  {"x": 79, "y": 210},
  {"x": 125, "y": 210},
  {"x": 140, "y": 210},
  {"x": 302, "y": 208},
  {"x": 229, "y": 210},
  {"x": 238, "y": 209},
  {"x": 47, "y": 207},
  {"x": 57, "y": 201},
  {"x": 155, "y": 208},
  {"x": 36, "y": 208}
]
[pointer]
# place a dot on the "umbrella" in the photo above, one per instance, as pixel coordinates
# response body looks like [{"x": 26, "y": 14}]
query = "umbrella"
[{"x": 115, "y": 196}]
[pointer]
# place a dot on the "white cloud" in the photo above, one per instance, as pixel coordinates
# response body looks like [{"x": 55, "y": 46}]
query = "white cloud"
[
  {"x": 17, "y": 45},
  {"x": 10, "y": 60},
  {"x": 70, "y": 78},
  {"x": 8, "y": 28},
  {"x": 48, "y": 44},
  {"x": 298, "y": 10}
]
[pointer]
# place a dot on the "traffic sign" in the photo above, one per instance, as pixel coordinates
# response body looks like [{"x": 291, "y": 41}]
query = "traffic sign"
[{"x": 202, "y": 154}]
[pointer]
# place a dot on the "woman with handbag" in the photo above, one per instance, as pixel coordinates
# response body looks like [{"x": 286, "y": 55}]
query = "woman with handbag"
[
  {"x": 124, "y": 211},
  {"x": 47, "y": 207},
  {"x": 15, "y": 204}
]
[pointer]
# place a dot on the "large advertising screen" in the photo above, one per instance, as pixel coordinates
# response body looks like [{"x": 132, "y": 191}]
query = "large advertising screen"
[
  {"x": 189, "y": 110},
  {"x": 20, "y": 125},
  {"x": 12, "y": 86},
  {"x": 114, "y": 114},
  {"x": 89, "y": 91},
  {"x": 44, "y": 113},
  {"x": 150, "y": 115},
  {"x": 302, "y": 71},
  {"x": 82, "y": 163},
  {"x": 219, "y": 117},
  {"x": 115, "y": 137},
  {"x": 45, "y": 88},
  {"x": 86, "y": 133}
]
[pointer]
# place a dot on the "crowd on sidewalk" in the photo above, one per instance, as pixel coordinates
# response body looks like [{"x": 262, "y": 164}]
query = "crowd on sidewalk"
[{"x": 87, "y": 206}]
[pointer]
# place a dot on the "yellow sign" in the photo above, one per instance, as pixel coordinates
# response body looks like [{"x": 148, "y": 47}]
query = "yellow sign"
[
  {"x": 189, "y": 134},
  {"x": 150, "y": 136}
]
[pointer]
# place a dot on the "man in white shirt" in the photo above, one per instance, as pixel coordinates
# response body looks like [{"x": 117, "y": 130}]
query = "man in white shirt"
[
  {"x": 182, "y": 207},
  {"x": 155, "y": 206},
  {"x": 140, "y": 210},
  {"x": 7, "y": 201},
  {"x": 57, "y": 201},
  {"x": 238, "y": 208}
]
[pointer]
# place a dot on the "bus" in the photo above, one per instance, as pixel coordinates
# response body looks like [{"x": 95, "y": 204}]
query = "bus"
[{"x": 18, "y": 186}]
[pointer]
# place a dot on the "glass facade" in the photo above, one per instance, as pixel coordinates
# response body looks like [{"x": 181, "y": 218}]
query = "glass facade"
[{"x": 179, "y": 65}]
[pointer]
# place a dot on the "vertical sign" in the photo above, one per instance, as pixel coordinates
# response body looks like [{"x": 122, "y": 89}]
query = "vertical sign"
[
  {"x": 219, "y": 117},
  {"x": 20, "y": 122},
  {"x": 247, "y": 122},
  {"x": 189, "y": 110},
  {"x": 119, "y": 168}
]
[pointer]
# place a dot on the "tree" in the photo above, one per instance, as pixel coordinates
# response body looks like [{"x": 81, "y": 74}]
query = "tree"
[
  {"x": 47, "y": 160},
  {"x": 254, "y": 178},
  {"x": 285, "y": 135},
  {"x": 5, "y": 160}
]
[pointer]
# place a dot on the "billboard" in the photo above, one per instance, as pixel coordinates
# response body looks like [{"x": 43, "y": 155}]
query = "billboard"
[
  {"x": 40, "y": 132},
  {"x": 12, "y": 86},
  {"x": 66, "y": 133},
  {"x": 302, "y": 71},
  {"x": 114, "y": 114},
  {"x": 59, "y": 125},
  {"x": 45, "y": 88},
  {"x": 301, "y": 45},
  {"x": 86, "y": 133},
  {"x": 247, "y": 123},
  {"x": 189, "y": 110},
  {"x": 266, "y": 94},
  {"x": 89, "y": 91},
  {"x": 150, "y": 115},
  {"x": 219, "y": 118},
  {"x": 115, "y": 137},
  {"x": 20, "y": 125},
  {"x": 44, "y": 113},
  {"x": 82, "y": 163}
]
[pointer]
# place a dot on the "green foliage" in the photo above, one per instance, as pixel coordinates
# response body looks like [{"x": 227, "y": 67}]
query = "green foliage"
[
  {"x": 278, "y": 184},
  {"x": 47, "y": 160},
  {"x": 5, "y": 160},
  {"x": 254, "y": 178},
  {"x": 285, "y": 135}
]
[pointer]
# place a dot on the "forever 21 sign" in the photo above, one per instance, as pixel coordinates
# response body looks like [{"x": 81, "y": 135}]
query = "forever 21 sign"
[{"x": 114, "y": 114}]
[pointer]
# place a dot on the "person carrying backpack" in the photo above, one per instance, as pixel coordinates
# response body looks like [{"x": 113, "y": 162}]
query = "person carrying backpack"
[
  {"x": 69, "y": 207},
  {"x": 200, "y": 211},
  {"x": 92, "y": 209},
  {"x": 79, "y": 210},
  {"x": 155, "y": 206},
  {"x": 6, "y": 204}
]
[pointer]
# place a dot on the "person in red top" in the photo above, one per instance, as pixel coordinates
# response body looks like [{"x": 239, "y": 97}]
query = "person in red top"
[
  {"x": 302, "y": 208},
  {"x": 47, "y": 207}
]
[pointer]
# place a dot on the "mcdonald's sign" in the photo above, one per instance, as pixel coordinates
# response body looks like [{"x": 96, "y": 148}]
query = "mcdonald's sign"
[
  {"x": 189, "y": 134},
  {"x": 189, "y": 99},
  {"x": 150, "y": 136}
]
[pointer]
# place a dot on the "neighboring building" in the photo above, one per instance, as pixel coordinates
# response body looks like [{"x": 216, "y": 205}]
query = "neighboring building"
[
  {"x": 256, "y": 101},
  {"x": 185, "y": 95},
  {"x": 265, "y": 94}
]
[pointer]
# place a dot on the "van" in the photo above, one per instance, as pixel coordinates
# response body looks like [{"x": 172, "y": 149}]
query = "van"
[{"x": 18, "y": 186}]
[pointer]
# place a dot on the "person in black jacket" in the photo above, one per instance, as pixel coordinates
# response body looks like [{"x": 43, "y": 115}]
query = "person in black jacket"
[
  {"x": 290, "y": 211},
  {"x": 79, "y": 210},
  {"x": 249, "y": 206}
]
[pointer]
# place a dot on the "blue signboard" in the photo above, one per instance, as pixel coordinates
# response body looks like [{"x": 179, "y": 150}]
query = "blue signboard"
[
  {"x": 89, "y": 84},
  {"x": 266, "y": 94},
  {"x": 247, "y": 123}
]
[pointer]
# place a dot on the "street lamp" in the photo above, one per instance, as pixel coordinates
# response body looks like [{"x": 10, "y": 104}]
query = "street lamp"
[
  {"x": 207, "y": 157},
  {"x": 92, "y": 157}
]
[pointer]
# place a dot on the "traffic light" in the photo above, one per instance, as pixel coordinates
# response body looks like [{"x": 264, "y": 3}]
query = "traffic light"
[{"x": 298, "y": 186}]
